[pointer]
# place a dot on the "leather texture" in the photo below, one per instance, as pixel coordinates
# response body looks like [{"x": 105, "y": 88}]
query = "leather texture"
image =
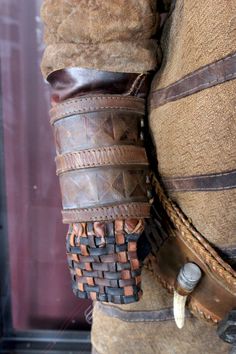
[
  {"x": 101, "y": 162},
  {"x": 88, "y": 186},
  {"x": 102, "y": 187},
  {"x": 215, "y": 295},
  {"x": 121, "y": 211},
  {"x": 165, "y": 314},
  {"x": 97, "y": 119},
  {"x": 207, "y": 182},
  {"x": 205, "y": 77},
  {"x": 97, "y": 130},
  {"x": 103, "y": 261},
  {"x": 94, "y": 103},
  {"x": 74, "y": 82},
  {"x": 105, "y": 156}
]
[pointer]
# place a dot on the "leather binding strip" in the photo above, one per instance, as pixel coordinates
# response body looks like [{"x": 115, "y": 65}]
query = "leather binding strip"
[
  {"x": 165, "y": 314},
  {"x": 207, "y": 76},
  {"x": 104, "y": 156},
  {"x": 207, "y": 182},
  {"x": 103, "y": 260},
  {"x": 122, "y": 211},
  {"x": 88, "y": 104},
  {"x": 215, "y": 296}
]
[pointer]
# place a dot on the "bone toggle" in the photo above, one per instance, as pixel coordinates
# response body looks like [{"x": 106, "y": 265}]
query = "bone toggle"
[{"x": 188, "y": 278}]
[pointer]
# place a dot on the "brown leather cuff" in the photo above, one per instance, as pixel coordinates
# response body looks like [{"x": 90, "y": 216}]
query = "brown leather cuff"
[
  {"x": 97, "y": 119},
  {"x": 101, "y": 162}
]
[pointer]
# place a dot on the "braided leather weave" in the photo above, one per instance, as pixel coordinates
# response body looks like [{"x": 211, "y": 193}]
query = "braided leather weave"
[
  {"x": 102, "y": 167},
  {"x": 103, "y": 260}
]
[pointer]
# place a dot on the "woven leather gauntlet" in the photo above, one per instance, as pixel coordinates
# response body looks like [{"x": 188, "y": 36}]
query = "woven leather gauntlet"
[{"x": 97, "y": 118}]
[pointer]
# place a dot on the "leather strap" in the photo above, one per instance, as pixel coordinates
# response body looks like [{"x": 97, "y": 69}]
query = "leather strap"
[
  {"x": 215, "y": 295},
  {"x": 104, "y": 156},
  {"x": 207, "y": 182},
  {"x": 121, "y": 211},
  {"x": 165, "y": 314},
  {"x": 93, "y": 103},
  {"x": 207, "y": 76}
]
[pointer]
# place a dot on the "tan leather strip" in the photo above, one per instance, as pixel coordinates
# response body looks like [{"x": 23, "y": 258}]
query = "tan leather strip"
[
  {"x": 122, "y": 211},
  {"x": 207, "y": 182},
  {"x": 201, "y": 79},
  {"x": 104, "y": 156},
  {"x": 87, "y": 104}
]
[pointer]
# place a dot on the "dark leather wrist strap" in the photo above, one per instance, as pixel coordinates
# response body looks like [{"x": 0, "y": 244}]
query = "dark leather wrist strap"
[{"x": 101, "y": 162}]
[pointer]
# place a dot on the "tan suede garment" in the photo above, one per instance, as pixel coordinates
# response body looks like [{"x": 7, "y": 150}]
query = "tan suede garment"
[
  {"x": 193, "y": 135},
  {"x": 100, "y": 34}
]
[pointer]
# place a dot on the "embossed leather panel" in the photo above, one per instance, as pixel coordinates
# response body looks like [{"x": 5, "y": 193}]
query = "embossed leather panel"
[
  {"x": 100, "y": 159},
  {"x": 97, "y": 129},
  {"x": 97, "y": 186}
]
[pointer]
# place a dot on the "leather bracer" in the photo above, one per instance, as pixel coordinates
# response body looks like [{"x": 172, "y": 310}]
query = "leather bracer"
[{"x": 97, "y": 118}]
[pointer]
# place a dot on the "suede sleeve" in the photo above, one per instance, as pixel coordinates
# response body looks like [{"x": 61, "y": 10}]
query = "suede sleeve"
[{"x": 100, "y": 34}]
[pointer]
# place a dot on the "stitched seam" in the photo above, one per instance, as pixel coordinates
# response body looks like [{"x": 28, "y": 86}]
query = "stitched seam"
[
  {"x": 137, "y": 208},
  {"x": 70, "y": 161},
  {"x": 134, "y": 205},
  {"x": 94, "y": 109},
  {"x": 119, "y": 313},
  {"x": 97, "y": 98},
  {"x": 133, "y": 89}
]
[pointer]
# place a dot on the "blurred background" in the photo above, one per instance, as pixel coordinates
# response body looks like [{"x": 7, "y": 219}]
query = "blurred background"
[{"x": 35, "y": 281}]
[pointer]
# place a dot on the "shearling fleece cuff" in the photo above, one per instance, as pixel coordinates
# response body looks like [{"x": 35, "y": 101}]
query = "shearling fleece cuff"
[{"x": 100, "y": 34}]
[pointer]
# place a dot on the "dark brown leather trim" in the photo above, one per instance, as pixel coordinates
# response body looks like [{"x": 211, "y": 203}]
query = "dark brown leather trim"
[
  {"x": 93, "y": 103},
  {"x": 122, "y": 211},
  {"x": 208, "y": 182},
  {"x": 104, "y": 156},
  {"x": 215, "y": 294},
  {"x": 75, "y": 82},
  {"x": 165, "y": 314},
  {"x": 201, "y": 79}
]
